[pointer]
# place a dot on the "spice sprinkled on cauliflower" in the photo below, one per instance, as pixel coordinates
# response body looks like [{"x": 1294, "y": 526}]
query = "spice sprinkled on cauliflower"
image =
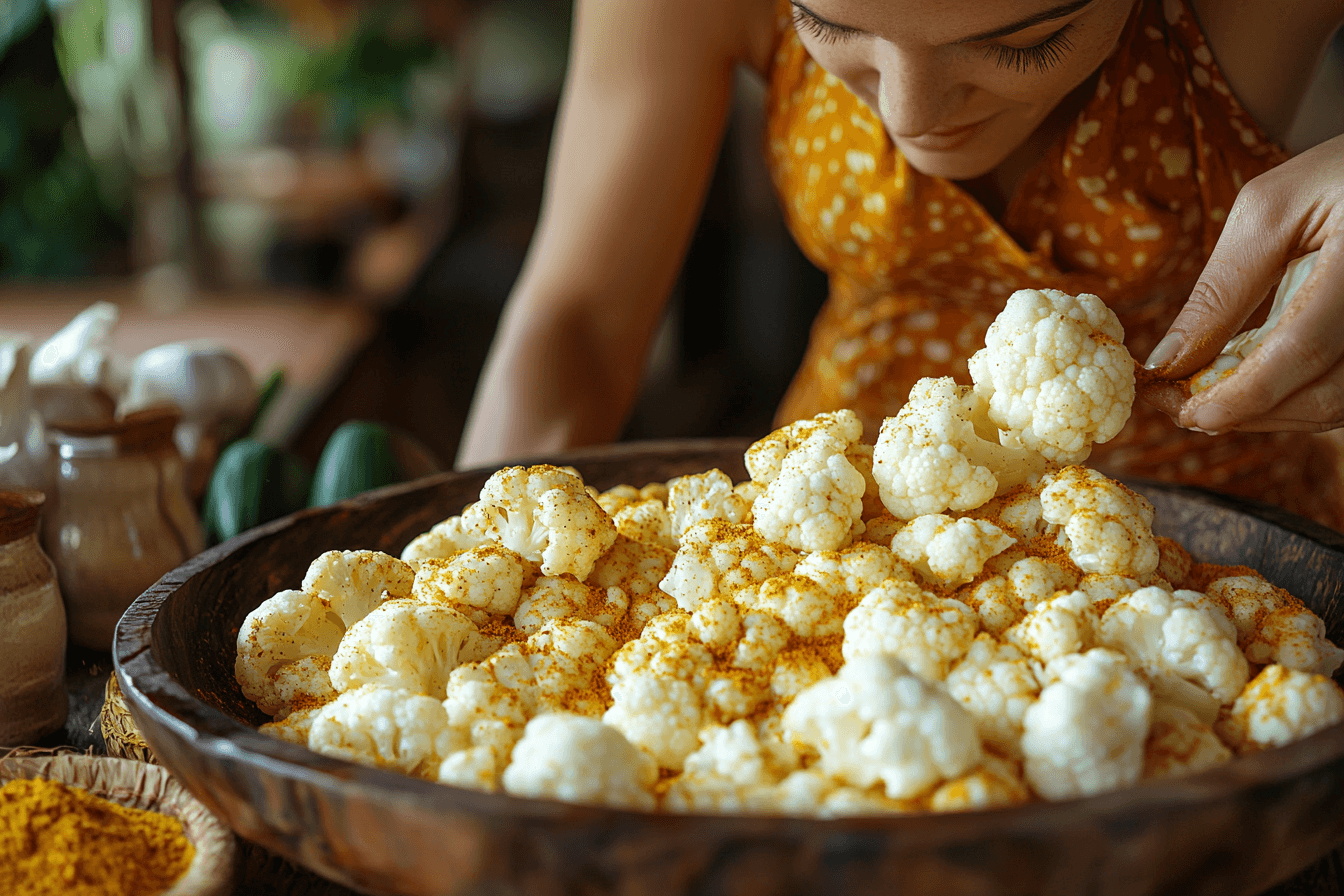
[
  {"x": 719, "y": 559},
  {"x": 1105, "y": 527},
  {"x": 1055, "y": 373},
  {"x": 940, "y": 452},
  {"x": 815, "y": 501},
  {"x": 947, "y": 551},
  {"x": 1275, "y": 627},
  {"x": 996, "y": 684},
  {"x": 899, "y": 619},
  {"x": 1278, "y": 707},
  {"x": 387, "y": 728},
  {"x": 286, "y": 628},
  {"x": 403, "y": 644},
  {"x": 545, "y": 514},
  {"x": 765, "y": 457}
]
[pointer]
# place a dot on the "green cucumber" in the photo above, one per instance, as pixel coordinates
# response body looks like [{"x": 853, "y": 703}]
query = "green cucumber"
[
  {"x": 252, "y": 483},
  {"x": 359, "y": 456}
]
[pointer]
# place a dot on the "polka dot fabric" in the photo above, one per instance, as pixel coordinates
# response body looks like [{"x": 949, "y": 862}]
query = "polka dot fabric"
[{"x": 1127, "y": 205}]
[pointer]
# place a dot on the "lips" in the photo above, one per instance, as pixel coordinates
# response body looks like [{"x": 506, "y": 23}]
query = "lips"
[{"x": 946, "y": 139}]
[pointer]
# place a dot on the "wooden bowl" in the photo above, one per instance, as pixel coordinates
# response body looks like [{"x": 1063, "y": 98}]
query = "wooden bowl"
[{"x": 1235, "y": 829}]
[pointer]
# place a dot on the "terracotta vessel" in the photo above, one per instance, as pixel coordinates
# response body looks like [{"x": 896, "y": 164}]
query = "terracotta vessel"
[{"x": 32, "y": 626}]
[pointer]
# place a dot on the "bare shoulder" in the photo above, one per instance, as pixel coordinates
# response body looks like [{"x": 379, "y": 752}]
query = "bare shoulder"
[
  {"x": 644, "y": 34},
  {"x": 1268, "y": 51}
]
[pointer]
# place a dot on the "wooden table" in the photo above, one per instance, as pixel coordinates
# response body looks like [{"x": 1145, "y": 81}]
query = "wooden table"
[{"x": 311, "y": 336}]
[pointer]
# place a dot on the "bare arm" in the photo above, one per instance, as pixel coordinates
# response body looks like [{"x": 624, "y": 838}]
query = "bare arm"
[{"x": 642, "y": 114}]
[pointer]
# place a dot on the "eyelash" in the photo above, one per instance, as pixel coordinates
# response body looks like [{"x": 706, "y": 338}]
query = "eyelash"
[{"x": 1041, "y": 57}]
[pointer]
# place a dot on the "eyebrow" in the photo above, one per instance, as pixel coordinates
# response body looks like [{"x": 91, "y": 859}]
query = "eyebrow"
[{"x": 1048, "y": 15}]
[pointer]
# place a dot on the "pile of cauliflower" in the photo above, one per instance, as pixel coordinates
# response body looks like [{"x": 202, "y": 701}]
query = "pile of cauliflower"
[{"x": 958, "y": 617}]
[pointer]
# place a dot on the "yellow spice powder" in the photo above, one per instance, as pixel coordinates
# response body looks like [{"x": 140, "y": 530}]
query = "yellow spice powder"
[{"x": 57, "y": 840}]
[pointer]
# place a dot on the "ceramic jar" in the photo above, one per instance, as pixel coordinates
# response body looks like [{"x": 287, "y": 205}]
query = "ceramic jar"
[
  {"x": 119, "y": 517},
  {"x": 32, "y": 626}
]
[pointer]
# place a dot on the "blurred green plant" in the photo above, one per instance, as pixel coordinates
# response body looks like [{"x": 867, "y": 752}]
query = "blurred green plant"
[{"x": 54, "y": 222}]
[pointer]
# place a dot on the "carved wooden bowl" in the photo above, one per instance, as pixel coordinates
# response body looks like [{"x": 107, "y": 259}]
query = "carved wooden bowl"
[{"x": 1235, "y": 829}]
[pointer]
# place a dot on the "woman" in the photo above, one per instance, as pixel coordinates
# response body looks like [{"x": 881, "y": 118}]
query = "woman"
[{"x": 933, "y": 157}]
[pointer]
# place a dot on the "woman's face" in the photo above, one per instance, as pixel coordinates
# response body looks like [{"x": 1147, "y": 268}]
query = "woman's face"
[{"x": 959, "y": 84}]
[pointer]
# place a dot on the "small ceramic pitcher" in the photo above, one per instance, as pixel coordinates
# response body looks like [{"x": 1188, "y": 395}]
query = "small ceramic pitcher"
[
  {"x": 32, "y": 626},
  {"x": 119, "y": 517}
]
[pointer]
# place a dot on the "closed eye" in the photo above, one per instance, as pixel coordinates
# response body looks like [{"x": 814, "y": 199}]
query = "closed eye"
[
  {"x": 805, "y": 21},
  {"x": 1039, "y": 58}
]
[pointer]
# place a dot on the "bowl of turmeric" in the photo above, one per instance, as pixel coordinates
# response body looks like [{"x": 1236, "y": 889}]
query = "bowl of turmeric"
[{"x": 80, "y": 825}]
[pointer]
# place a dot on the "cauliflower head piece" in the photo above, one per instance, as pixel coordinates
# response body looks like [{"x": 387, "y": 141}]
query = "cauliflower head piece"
[
  {"x": 402, "y": 645},
  {"x": 718, "y": 559},
  {"x": 765, "y": 457},
  {"x": 286, "y": 629},
  {"x": 388, "y": 728},
  {"x": 877, "y": 721},
  {"x": 1055, "y": 373},
  {"x": 1278, "y": 707},
  {"x": 580, "y": 760},
  {"x": 545, "y": 514},
  {"x": 815, "y": 502},
  {"x": 941, "y": 452},
  {"x": 947, "y": 551},
  {"x": 899, "y": 619},
  {"x": 1106, "y": 527},
  {"x": 1085, "y": 735}
]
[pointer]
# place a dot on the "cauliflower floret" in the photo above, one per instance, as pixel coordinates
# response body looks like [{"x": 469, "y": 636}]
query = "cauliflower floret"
[
  {"x": 303, "y": 684},
  {"x": 488, "y": 578},
  {"x": 730, "y": 772},
  {"x": 286, "y": 628},
  {"x": 635, "y": 569},
  {"x": 765, "y": 457},
  {"x": 804, "y": 605},
  {"x": 662, "y": 716},
  {"x": 795, "y": 671},
  {"x": 387, "y": 728},
  {"x": 646, "y": 522},
  {"x": 1180, "y": 744},
  {"x": 704, "y": 496},
  {"x": 949, "y": 551},
  {"x": 1055, "y": 373},
  {"x": 1001, "y": 601},
  {"x": 294, "y": 727},
  {"x": 403, "y": 644},
  {"x": 1278, "y": 707},
  {"x": 562, "y": 597},
  {"x": 1085, "y": 734},
  {"x": 876, "y": 721},
  {"x": 996, "y": 784},
  {"x": 855, "y": 570},
  {"x": 580, "y": 760},
  {"x": 614, "y": 500},
  {"x": 1169, "y": 638},
  {"x": 940, "y": 452},
  {"x": 1064, "y": 624},
  {"x": 1105, "y": 527},
  {"x": 1017, "y": 512},
  {"x": 901, "y": 620},
  {"x": 546, "y": 515},
  {"x": 815, "y": 501},
  {"x": 1275, "y": 627},
  {"x": 1106, "y": 590},
  {"x": 1174, "y": 562},
  {"x": 717, "y": 623},
  {"x": 489, "y": 702},
  {"x": 448, "y": 538},
  {"x": 717, "y": 559},
  {"x": 352, "y": 583},
  {"x": 567, "y": 660},
  {"x": 995, "y": 683}
]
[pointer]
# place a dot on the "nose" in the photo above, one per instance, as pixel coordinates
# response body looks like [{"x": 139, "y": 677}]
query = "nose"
[{"x": 916, "y": 90}]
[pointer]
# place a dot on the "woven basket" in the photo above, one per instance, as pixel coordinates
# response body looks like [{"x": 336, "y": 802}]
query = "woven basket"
[
  {"x": 119, "y": 731},
  {"x": 141, "y": 786}
]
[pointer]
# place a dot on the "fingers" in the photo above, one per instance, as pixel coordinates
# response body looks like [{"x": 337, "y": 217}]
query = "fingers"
[
  {"x": 1293, "y": 379},
  {"x": 1247, "y": 261},
  {"x": 1167, "y": 396}
]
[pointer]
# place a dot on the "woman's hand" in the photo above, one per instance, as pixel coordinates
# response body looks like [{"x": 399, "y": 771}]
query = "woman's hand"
[{"x": 1295, "y": 379}]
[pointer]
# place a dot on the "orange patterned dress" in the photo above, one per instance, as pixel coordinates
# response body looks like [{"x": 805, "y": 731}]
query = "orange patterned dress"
[{"x": 1127, "y": 205}]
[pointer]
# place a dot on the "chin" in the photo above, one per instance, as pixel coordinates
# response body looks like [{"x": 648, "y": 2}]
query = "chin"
[{"x": 951, "y": 165}]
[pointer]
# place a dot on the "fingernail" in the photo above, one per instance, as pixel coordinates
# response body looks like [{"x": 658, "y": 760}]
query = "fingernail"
[
  {"x": 1164, "y": 351},
  {"x": 1212, "y": 418}
]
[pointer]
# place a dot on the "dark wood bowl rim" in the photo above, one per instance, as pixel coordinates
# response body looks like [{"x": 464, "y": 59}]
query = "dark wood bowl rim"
[{"x": 149, "y": 688}]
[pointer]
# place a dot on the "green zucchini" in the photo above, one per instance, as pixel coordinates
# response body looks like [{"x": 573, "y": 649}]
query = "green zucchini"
[
  {"x": 359, "y": 456},
  {"x": 252, "y": 483}
]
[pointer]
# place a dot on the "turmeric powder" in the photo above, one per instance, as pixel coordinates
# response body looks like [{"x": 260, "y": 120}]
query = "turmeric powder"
[{"x": 63, "y": 840}]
